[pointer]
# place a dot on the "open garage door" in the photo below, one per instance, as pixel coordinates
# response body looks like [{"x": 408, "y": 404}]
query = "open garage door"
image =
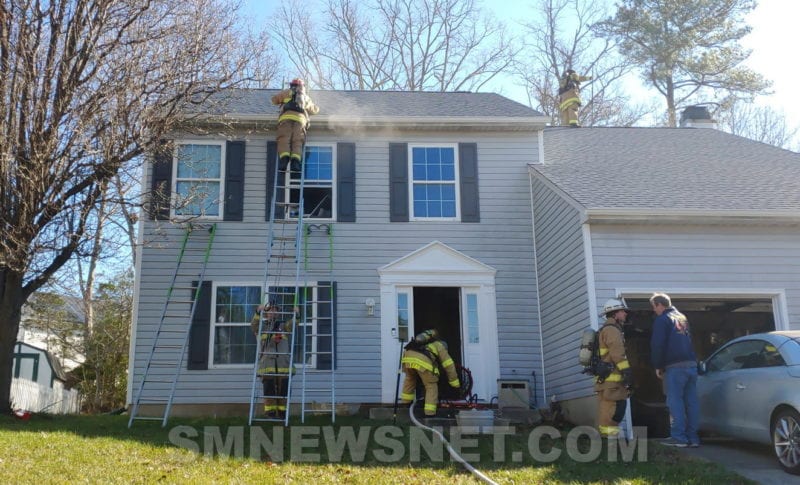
[{"x": 713, "y": 321}]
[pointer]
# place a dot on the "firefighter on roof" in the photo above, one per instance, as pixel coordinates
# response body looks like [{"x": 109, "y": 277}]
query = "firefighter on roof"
[
  {"x": 422, "y": 358},
  {"x": 296, "y": 107},
  {"x": 613, "y": 390},
  {"x": 569, "y": 97}
]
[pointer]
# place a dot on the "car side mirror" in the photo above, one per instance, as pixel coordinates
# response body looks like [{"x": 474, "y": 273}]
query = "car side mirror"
[{"x": 701, "y": 367}]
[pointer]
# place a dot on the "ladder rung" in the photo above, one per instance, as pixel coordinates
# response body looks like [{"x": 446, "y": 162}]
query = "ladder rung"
[
  {"x": 288, "y": 204},
  {"x": 275, "y": 333},
  {"x": 284, "y": 238},
  {"x": 148, "y": 418}
]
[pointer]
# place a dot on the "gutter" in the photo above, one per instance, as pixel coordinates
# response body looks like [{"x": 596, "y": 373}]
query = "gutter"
[
  {"x": 700, "y": 217},
  {"x": 345, "y": 122}
]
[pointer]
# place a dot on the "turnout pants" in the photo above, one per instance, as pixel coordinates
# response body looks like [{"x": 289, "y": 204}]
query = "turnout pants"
[
  {"x": 431, "y": 383},
  {"x": 612, "y": 402},
  {"x": 568, "y": 106},
  {"x": 274, "y": 387},
  {"x": 291, "y": 136}
]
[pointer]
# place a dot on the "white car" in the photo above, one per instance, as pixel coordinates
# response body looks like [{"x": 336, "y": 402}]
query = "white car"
[{"x": 750, "y": 389}]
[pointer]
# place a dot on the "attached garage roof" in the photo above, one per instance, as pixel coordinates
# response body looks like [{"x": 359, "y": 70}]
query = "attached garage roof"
[{"x": 669, "y": 169}]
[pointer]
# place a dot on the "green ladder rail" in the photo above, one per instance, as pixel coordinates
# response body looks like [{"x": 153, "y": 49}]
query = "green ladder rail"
[
  {"x": 323, "y": 393},
  {"x": 284, "y": 242},
  {"x": 172, "y": 334}
]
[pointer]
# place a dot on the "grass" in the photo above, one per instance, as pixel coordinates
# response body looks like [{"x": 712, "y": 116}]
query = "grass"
[{"x": 101, "y": 449}]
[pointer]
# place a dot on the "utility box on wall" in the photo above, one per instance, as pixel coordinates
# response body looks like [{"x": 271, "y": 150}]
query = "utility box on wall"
[{"x": 513, "y": 393}]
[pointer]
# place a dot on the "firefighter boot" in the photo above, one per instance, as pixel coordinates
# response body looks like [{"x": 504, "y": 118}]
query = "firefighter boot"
[{"x": 284, "y": 162}]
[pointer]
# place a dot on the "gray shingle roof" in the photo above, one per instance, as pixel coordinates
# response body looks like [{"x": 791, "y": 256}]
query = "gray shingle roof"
[
  {"x": 379, "y": 103},
  {"x": 670, "y": 169}
]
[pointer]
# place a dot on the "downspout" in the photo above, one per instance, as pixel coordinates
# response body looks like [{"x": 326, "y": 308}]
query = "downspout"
[{"x": 536, "y": 270}]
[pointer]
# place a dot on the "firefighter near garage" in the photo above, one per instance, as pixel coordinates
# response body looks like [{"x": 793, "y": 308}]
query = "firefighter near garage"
[
  {"x": 426, "y": 358},
  {"x": 613, "y": 373},
  {"x": 293, "y": 122},
  {"x": 569, "y": 97}
]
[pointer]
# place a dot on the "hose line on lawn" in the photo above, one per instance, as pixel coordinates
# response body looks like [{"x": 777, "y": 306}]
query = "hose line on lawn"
[{"x": 450, "y": 449}]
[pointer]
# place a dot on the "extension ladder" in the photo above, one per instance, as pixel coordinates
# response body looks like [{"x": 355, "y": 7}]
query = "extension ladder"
[
  {"x": 318, "y": 262},
  {"x": 163, "y": 366},
  {"x": 283, "y": 262}
]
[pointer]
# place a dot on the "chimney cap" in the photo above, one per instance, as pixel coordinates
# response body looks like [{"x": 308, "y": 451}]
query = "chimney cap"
[
  {"x": 696, "y": 112},
  {"x": 696, "y": 116}
]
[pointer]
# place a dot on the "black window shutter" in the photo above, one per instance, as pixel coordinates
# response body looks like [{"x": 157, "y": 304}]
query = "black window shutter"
[
  {"x": 398, "y": 182},
  {"x": 468, "y": 173},
  {"x": 326, "y": 324},
  {"x": 161, "y": 183},
  {"x": 200, "y": 331},
  {"x": 346, "y": 182},
  {"x": 272, "y": 155},
  {"x": 234, "y": 181}
]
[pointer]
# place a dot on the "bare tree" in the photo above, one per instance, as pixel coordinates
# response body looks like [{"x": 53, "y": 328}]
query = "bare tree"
[
  {"x": 412, "y": 45},
  {"x": 561, "y": 38},
  {"x": 87, "y": 87},
  {"x": 760, "y": 123}
]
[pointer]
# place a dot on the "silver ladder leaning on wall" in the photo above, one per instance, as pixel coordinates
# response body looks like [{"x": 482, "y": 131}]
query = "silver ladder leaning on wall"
[
  {"x": 163, "y": 366},
  {"x": 281, "y": 293},
  {"x": 319, "y": 344}
]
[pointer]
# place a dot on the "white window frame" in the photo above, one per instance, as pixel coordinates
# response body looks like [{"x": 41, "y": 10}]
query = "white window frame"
[
  {"x": 310, "y": 323},
  {"x": 174, "y": 193},
  {"x": 212, "y": 337},
  {"x": 294, "y": 184},
  {"x": 456, "y": 181}
]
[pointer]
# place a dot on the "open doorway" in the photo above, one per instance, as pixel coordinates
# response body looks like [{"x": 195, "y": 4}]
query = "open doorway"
[
  {"x": 439, "y": 308},
  {"x": 713, "y": 321}
]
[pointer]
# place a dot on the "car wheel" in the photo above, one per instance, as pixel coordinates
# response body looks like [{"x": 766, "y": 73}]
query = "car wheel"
[{"x": 786, "y": 440}]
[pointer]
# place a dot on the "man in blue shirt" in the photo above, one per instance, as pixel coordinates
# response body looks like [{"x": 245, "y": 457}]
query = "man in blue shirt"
[{"x": 675, "y": 362}]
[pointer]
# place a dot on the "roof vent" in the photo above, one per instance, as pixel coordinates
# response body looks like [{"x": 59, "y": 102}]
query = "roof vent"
[{"x": 697, "y": 117}]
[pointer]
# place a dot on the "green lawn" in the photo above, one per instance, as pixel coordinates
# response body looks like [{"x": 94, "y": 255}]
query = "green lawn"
[{"x": 101, "y": 449}]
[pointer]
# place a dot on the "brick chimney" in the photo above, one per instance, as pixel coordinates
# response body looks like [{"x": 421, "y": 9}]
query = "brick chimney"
[{"x": 697, "y": 117}]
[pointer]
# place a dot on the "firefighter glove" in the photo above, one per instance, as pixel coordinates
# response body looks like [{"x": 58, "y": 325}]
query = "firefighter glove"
[{"x": 627, "y": 378}]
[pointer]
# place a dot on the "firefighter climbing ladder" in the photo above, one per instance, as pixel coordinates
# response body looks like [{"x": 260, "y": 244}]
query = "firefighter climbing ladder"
[
  {"x": 164, "y": 364},
  {"x": 318, "y": 262},
  {"x": 283, "y": 261}
]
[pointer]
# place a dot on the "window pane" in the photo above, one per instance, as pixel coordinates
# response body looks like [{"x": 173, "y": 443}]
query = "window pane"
[
  {"x": 197, "y": 198},
  {"x": 472, "y": 319},
  {"x": 234, "y": 344},
  {"x": 319, "y": 163},
  {"x": 402, "y": 316}
]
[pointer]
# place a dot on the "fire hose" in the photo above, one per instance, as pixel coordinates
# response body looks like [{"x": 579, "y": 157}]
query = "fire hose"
[{"x": 477, "y": 473}]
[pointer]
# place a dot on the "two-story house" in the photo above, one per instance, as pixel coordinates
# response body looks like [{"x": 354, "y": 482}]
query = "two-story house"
[{"x": 462, "y": 212}]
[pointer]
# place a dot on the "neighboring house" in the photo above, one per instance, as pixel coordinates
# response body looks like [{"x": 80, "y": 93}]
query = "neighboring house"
[
  {"x": 37, "y": 365},
  {"x": 435, "y": 199},
  {"x": 710, "y": 218},
  {"x": 428, "y": 194},
  {"x": 52, "y": 335}
]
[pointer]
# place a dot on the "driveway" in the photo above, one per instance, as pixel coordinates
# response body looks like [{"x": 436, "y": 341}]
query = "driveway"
[{"x": 753, "y": 461}]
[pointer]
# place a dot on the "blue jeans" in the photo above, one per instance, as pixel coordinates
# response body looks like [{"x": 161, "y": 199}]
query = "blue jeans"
[{"x": 684, "y": 409}]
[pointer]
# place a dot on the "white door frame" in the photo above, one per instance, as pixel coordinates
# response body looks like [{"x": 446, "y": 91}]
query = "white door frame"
[{"x": 436, "y": 264}]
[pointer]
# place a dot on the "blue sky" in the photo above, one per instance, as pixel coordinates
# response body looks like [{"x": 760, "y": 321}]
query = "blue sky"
[{"x": 774, "y": 54}]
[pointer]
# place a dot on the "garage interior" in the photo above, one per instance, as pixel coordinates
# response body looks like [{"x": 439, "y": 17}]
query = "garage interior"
[{"x": 713, "y": 321}]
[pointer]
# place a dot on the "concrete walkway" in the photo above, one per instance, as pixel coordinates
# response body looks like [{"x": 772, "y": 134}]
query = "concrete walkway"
[{"x": 753, "y": 461}]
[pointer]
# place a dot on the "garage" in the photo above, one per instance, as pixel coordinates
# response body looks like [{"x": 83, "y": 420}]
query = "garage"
[{"x": 714, "y": 320}]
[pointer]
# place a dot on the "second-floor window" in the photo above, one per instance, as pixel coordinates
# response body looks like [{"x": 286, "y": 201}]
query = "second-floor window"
[
  {"x": 199, "y": 174},
  {"x": 318, "y": 192},
  {"x": 434, "y": 182}
]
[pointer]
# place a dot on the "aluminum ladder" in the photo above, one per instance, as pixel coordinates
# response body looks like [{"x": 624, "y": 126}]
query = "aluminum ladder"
[
  {"x": 165, "y": 362},
  {"x": 281, "y": 288},
  {"x": 318, "y": 262}
]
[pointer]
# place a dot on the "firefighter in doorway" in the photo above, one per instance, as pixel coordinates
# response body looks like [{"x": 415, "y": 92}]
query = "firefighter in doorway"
[
  {"x": 614, "y": 389},
  {"x": 569, "y": 97},
  {"x": 296, "y": 106},
  {"x": 424, "y": 357}
]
